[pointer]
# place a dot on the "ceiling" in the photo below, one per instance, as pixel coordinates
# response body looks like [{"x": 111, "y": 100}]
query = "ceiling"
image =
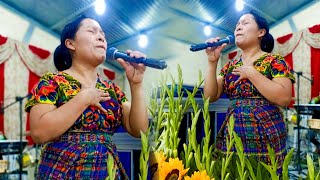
[{"x": 164, "y": 21}]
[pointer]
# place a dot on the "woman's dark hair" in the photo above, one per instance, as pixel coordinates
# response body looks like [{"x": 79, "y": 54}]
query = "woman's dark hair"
[
  {"x": 267, "y": 41},
  {"x": 62, "y": 57}
]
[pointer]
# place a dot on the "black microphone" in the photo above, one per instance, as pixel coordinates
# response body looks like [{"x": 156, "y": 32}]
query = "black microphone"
[
  {"x": 197, "y": 47},
  {"x": 113, "y": 54}
]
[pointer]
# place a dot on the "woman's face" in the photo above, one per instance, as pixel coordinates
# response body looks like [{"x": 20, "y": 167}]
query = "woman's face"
[
  {"x": 247, "y": 32},
  {"x": 90, "y": 42}
]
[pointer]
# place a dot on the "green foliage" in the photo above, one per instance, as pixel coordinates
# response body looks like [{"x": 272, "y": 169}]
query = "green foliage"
[
  {"x": 273, "y": 167},
  {"x": 144, "y": 155},
  {"x": 111, "y": 169}
]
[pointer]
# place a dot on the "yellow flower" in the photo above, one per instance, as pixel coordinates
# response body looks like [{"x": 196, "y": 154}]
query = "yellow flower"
[
  {"x": 172, "y": 170},
  {"x": 199, "y": 176},
  {"x": 156, "y": 161}
]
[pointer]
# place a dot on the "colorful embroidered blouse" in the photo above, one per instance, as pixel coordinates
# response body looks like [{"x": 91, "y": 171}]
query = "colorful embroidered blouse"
[
  {"x": 58, "y": 89},
  {"x": 271, "y": 66}
]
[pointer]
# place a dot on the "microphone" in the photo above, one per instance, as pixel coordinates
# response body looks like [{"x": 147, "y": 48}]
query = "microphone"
[
  {"x": 113, "y": 54},
  {"x": 197, "y": 47}
]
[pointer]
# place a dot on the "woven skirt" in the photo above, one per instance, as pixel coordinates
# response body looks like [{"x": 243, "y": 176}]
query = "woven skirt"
[
  {"x": 79, "y": 156},
  {"x": 258, "y": 123}
]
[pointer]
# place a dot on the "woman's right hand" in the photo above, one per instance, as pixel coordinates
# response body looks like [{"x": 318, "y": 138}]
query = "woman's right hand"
[
  {"x": 214, "y": 53},
  {"x": 94, "y": 96}
]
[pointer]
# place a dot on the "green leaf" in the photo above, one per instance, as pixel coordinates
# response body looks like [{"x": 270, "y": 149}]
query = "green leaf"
[
  {"x": 259, "y": 174},
  {"x": 252, "y": 175},
  {"x": 110, "y": 168},
  {"x": 211, "y": 169},
  {"x": 285, "y": 170},
  {"x": 238, "y": 142},
  {"x": 272, "y": 154},
  {"x": 227, "y": 176},
  {"x": 246, "y": 175},
  {"x": 229, "y": 158},
  {"x": 144, "y": 154},
  {"x": 318, "y": 176},
  {"x": 272, "y": 172},
  {"x": 310, "y": 167},
  {"x": 239, "y": 169}
]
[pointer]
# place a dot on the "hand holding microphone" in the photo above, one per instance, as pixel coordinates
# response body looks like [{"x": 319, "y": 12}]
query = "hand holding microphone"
[
  {"x": 134, "y": 71},
  {"x": 214, "y": 42},
  {"x": 113, "y": 54},
  {"x": 214, "y": 53},
  {"x": 213, "y": 47}
]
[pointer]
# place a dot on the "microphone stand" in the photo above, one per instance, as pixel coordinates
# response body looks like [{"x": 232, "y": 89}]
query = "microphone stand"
[
  {"x": 18, "y": 99},
  {"x": 299, "y": 74}
]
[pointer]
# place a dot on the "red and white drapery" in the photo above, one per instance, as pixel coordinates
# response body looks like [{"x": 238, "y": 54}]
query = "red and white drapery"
[
  {"x": 21, "y": 66},
  {"x": 302, "y": 51}
]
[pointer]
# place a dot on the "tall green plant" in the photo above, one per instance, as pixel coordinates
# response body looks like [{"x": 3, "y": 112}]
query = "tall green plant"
[
  {"x": 274, "y": 164},
  {"x": 144, "y": 155},
  {"x": 168, "y": 113},
  {"x": 199, "y": 154},
  {"x": 241, "y": 161},
  {"x": 229, "y": 143},
  {"x": 207, "y": 157},
  {"x": 158, "y": 114}
]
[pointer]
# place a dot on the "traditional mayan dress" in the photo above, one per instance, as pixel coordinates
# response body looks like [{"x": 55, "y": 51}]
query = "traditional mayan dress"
[
  {"x": 82, "y": 151},
  {"x": 258, "y": 122}
]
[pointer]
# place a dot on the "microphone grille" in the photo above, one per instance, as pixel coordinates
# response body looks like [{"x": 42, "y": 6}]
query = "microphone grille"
[
  {"x": 231, "y": 39},
  {"x": 110, "y": 53}
]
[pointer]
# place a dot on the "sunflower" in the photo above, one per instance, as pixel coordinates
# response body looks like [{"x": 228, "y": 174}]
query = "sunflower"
[
  {"x": 172, "y": 170},
  {"x": 156, "y": 160},
  {"x": 199, "y": 176}
]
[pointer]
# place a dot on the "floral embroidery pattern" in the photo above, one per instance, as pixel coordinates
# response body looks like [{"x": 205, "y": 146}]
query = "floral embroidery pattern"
[
  {"x": 271, "y": 66},
  {"x": 57, "y": 89}
]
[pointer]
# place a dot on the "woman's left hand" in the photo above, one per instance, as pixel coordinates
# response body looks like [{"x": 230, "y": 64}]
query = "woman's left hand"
[
  {"x": 242, "y": 72},
  {"x": 134, "y": 71}
]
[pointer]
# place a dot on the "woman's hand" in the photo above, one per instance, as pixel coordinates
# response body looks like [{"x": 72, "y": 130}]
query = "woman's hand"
[
  {"x": 94, "y": 96},
  {"x": 242, "y": 72},
  {"x": 214, "y": 53},
  {"x": 134, "y": 71}
]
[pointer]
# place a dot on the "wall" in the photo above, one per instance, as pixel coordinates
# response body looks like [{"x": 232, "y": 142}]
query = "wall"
[
  {"x": 302, "y": 19},
  {"x": 24, "y": 29}
]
